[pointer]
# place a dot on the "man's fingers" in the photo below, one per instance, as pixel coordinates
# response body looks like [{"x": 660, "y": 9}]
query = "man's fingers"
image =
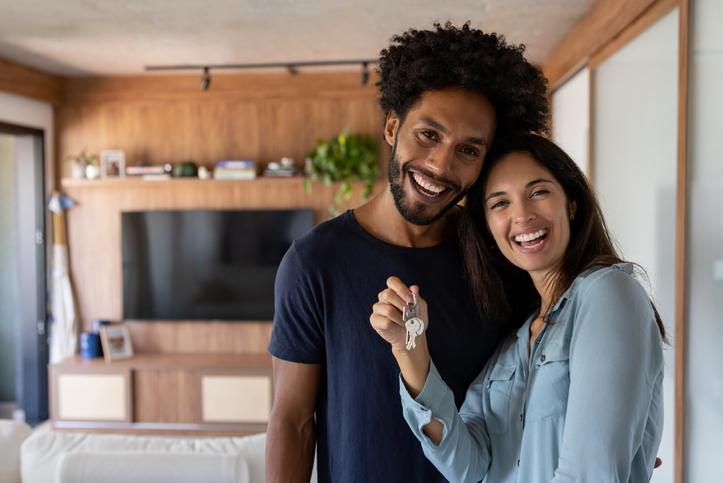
[{"x": 400, "y": 289}]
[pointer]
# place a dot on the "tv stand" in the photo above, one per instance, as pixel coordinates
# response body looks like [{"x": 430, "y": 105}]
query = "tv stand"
[{"x": 201, "y": 394}]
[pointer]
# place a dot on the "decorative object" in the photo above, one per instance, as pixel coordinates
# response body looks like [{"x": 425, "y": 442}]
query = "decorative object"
[
  {"x": 116, "y": 340},
  {"x": 83, "y": 165},
  {"x": 286, "y": 167},
  {"x": 185, "y": 169},
  {"x": 112, "y": 163},
  {"x": 344, "y": 158},
  {"x": 203, "y": 173},
  {"x": 90, "y": 345},
  {"x": 64, "y": 326}
]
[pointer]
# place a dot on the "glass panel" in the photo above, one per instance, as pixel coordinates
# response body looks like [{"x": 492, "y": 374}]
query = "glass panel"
[
  {"x": 635, "y": 127},
  {"x": 8, "y": 269},
  {"x": 704, "y": 395}
]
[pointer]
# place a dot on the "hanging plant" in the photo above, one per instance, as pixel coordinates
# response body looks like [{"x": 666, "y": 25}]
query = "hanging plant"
[{"x": 343, "y": 159}]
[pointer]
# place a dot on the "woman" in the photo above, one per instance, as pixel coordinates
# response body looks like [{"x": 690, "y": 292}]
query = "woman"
[{"x": 575, "y": 394}]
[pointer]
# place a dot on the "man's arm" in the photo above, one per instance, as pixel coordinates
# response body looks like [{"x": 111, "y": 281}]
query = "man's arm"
[{"x": 291, "y": 434}]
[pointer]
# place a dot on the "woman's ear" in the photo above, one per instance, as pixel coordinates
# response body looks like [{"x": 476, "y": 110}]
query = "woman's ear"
[
  {"x": 573, "y": 210},
  {"x": 390, "y": 127}
]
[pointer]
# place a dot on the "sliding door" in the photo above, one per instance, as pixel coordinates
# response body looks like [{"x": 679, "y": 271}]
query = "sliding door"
[
  {"x": 634, "y": 162},
  {"x": 704, "y": 317}
]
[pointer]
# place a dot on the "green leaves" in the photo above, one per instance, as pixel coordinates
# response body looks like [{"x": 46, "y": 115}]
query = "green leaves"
[{"x": 344, "y": 158}]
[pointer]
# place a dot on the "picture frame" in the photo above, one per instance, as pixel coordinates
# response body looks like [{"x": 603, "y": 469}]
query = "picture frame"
[
  {"x": 112, "y": 163},
  {"x": 116, "y": 342}
]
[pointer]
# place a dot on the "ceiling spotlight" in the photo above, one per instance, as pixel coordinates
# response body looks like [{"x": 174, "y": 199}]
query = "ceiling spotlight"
[
  {"x": 205, "y": 79},
  {"x": 365, "y": 74}
]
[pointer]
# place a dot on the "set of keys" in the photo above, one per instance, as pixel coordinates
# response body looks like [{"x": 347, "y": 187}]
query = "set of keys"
[{"x": 413, "y": 324}]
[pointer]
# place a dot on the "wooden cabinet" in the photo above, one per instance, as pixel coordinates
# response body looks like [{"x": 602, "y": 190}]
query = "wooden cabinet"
[{"x": 226, "y": 394}]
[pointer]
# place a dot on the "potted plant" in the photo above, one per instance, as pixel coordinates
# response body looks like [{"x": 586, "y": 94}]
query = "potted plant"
[{"x": 344, "y": 158}]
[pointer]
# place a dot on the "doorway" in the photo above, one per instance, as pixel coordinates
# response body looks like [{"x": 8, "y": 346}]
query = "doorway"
[{"x": 23, "y": 280}]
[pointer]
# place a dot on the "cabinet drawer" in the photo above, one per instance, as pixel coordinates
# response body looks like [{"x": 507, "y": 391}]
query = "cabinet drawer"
[
  {"x": 232, "y": 398},
  {"x": 93, "y": 397}
]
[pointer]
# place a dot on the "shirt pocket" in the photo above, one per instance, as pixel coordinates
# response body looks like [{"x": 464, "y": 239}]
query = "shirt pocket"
[
  {"x": 551, "y": 388},
  {"x": 499, "y": 387}
]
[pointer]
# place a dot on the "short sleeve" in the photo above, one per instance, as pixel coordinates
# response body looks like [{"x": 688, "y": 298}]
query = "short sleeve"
[{"x": 297, "y": 334}]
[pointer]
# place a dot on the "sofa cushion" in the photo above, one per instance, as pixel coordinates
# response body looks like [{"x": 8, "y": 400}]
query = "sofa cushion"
[
  {"x": 131, "y": 467},
  {"x": 12, "y": 434},
  {"x": 42, "y": 451}
]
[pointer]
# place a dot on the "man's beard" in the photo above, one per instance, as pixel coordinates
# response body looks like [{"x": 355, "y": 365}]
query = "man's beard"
[{"x": 405, "y": 208}]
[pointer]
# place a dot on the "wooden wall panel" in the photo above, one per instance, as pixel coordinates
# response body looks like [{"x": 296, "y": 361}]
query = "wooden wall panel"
[
  {"x": 162, "y": 119},
  {"x": 600, "y": 25},
  {"x": 28, "y": 82},
  {"x": 95, "y": 251}
]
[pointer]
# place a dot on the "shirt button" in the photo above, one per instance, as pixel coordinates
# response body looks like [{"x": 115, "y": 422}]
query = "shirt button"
[
  {"x": 518, "y": 462},
  {"x": 542, "y": 358}
]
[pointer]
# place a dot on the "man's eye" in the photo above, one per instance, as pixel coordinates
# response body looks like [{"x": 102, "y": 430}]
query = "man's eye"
[
  {"x": 470, "y": 151},
  {"x": 429, "y": 134}
]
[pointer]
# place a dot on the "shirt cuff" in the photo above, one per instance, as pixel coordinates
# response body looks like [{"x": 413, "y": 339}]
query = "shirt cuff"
[{"x": 435, "y": 401}]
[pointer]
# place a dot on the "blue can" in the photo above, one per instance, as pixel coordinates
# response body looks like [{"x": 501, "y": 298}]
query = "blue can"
[{"x": 90, "y": 347}]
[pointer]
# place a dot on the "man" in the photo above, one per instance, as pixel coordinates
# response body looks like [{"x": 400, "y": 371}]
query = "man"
[{"x": 446, "y": 92}]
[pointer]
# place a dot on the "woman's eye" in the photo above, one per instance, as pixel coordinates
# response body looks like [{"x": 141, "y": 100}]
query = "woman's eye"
[
  {"x": 498, "y": 204},
  {"x": 540, "y": 192}
]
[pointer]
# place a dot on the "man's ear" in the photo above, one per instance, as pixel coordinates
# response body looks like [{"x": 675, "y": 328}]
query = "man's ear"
[{"x": 390, "y": 127}]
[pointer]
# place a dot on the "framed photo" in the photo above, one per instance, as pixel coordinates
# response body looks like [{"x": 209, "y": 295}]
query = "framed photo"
[
  {"x": 112, "y": 163},
  {"x": 116, "y": 341}
]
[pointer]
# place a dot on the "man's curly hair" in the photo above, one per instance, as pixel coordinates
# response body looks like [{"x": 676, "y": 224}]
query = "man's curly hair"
[{"x": 447, "y": 57}]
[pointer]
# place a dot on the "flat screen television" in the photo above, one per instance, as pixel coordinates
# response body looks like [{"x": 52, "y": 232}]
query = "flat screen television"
[{"x": 205, "y": 265}]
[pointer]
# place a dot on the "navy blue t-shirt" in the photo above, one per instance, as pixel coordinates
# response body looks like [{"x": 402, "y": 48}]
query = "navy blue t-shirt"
[{"x": 325, "y": 288}]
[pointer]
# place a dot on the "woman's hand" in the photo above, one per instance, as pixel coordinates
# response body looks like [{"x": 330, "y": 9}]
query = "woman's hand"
[{"x": 386, "y": 319}]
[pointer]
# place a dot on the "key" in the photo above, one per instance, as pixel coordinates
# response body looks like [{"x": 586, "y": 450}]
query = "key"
[{"x": 413, "y": 324}]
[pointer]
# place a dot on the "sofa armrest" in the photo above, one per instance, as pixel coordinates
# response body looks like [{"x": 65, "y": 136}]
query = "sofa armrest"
[
  {"x": 12, "y": 435},
  {"x": 137, "y": 467}
]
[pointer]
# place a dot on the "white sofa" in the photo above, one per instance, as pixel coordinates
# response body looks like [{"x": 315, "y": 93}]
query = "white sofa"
[{"x": 47, "y": 456}]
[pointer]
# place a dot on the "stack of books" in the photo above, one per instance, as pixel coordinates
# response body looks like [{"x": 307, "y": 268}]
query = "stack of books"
[
  {"x": 235, "y": 170},
  {"x": 148, "y": 172}
]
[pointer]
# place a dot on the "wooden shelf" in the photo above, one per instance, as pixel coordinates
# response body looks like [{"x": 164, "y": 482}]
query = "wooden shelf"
[
  {"x": 227, "y": 394},
  {"x": 173, "y": 361},
  {"x": 130, "y": 182}
]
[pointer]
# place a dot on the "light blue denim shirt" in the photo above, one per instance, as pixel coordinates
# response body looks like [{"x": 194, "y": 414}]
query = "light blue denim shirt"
[{"x": 584, "y": 406}]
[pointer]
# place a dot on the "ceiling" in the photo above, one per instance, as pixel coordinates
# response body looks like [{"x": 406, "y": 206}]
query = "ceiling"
[{"x": 106, "y": 37}]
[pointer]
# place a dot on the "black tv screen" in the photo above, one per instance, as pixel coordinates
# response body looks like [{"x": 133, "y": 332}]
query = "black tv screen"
[{"x": 205, "y": 265}]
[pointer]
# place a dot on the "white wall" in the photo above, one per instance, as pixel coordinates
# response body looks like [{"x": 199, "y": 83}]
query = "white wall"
[
  {"x": 571, "y": 118},
  {"x": 27, "y": 112},
  {"x": 704, "y": 371},
  {"x": 635, "y": 129}
]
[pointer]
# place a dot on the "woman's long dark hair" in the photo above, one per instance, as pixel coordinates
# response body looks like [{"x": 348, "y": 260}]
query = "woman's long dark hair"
[{"x": 492, "y": 278}]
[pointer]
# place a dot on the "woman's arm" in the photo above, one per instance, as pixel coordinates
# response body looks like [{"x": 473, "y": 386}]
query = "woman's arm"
[
  {"x": 615, "y": 360},
  {"x": 458, "y": 446}
]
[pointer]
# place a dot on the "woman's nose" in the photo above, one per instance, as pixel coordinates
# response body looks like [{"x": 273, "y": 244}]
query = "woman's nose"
[{"x": 522, "y": 213}]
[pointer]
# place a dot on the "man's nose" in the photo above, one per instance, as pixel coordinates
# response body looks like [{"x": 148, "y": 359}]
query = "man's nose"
[{"x": 441, "y": 160}]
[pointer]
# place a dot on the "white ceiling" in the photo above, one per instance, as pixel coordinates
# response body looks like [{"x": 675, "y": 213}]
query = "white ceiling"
[{"x": 102, "y": 37}]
